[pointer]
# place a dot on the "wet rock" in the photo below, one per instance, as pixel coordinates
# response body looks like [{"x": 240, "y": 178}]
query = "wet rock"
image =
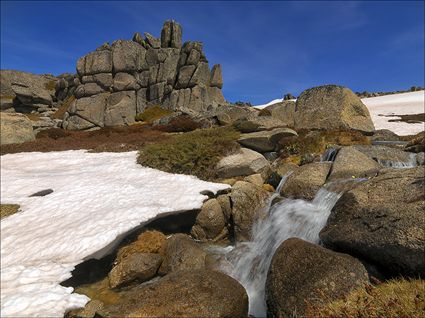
[
  {"x": 331, "y": 107},
  {"x": 387, "y": 156},
  {"x": 385, "y": 135},
  {"x": 382, "y": 221},
  {"x": 89, "y": 310},
  {"x": 188, "y": 293},
  {"x": 417, "y": 143},
  {"x": 243, "y": 163},
  {"x": 351, "y": 163},
  {"x": 181, "y": 253},
  {"x": 42, "y": 193},
  {"x": 248, "y": 203},
  {"x": 302, "y": 273},
  {"x": 210, "y": 222},
  {"x": 138, "y": 266},
  {"x": 420, "y": 159},
  {"x": 305, "y": 181},
  {"x": 15, "y": 129},
  {"x": 283, "y": 167},
  {"x": 265, "y": 141}
]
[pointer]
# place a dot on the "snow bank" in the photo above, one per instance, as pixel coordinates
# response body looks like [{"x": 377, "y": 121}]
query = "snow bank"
[
  {"x": 383, "y": 108},
  {"x": 274, "y": 101},
  {"x": 97, "y": 197}
]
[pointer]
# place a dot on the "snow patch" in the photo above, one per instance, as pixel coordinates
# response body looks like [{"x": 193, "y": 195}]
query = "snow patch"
[
  {"x": 383, "y": 108},
  {"x": 97, "y": 197}
]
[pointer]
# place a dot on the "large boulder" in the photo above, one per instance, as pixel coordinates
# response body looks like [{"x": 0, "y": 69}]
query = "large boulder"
[
  {"x": 331, "y": 107},
  {"x": 180, "y": 253},
  {"x": 190, "y": 293},
  {"x": 382, "y": 221},
  {"x": 305, "y": 181},
  {"x": 210, "y": 222},
  {"x": 351, "y": 163},
  {"x": 265, "y": 141},
  {"x": 243, "y": 163},
  {"x": 417, "y": 143},
  {"x": 248, "y": 203},
  {"x": 302, "y": 274},
  {"x": 15, "y": 129}
]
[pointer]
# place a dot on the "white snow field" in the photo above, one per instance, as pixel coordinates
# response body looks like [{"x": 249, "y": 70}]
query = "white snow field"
[
  {"x": 383, "y": 108},
  {"x": 97, "y": 197}
]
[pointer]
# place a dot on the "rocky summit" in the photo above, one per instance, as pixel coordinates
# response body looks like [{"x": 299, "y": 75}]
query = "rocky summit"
[{"x": 121, "y": 80}]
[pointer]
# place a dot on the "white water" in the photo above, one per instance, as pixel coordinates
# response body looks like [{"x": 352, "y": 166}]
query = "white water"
[
  {"x": 289, "y": 218},
  {"x": 399, "y": 164}
]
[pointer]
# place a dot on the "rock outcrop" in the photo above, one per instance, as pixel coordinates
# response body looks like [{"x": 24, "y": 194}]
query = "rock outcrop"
[
  {"x": 189, "y": 293},
  {"x": 382, "y": 221},
  {"x": 15, "y": 129},
  {"x": 331, "y": 107},
  {"x": 121, "y": 80},
  {"x": 302, "y": 274}
]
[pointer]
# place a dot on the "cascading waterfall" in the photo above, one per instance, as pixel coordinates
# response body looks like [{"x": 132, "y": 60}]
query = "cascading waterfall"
[
  {"x": 399, "y": 164},
  {"x": 250, "y": 261},
  {"x": 329, "y": 155}
]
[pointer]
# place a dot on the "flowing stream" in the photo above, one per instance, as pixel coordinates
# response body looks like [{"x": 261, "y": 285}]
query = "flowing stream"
[{"x": 250, "y": 261}]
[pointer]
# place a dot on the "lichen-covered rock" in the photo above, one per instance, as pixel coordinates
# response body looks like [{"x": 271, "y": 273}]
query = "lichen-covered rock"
[
  {"x": 181, "y": 253},
  {"x": 121, "y": 109},
  {"x": 248, "y": 203},
  {"x": 305, "y": 181},
  {"x": 351, "y": 163},
  {"x": 243, "y": 163},
  {"x": 189, "y": 293},
  {"x": 216, "y": 76},
  {"x": 210, "y": 221},
  {"x": 15, "y": 129},
  {"x": 382, "y": 221},
  {"x": 128, "y": 56},
  {"x": 283, "y": 111},
  {"x": 302, "y": 273},
  {"x": 95, "y": 62},
  {"x": 138, "y": 266},
  {"x": 331, "y": 107},
  {"x": 265, "y": 141},
  {"x": 90, "y": 109}
]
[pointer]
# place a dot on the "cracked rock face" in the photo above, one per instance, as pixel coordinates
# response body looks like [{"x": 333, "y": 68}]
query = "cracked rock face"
[
  {"x": 382, "y": 221},
  {"x": 118, "y": 81}
]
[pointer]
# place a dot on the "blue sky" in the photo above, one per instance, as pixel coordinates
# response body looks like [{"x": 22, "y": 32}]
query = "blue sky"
[{"x": 265, "y": 48}]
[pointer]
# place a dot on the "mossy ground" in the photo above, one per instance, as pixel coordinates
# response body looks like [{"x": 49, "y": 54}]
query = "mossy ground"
[
  {"x": 8, "y": 209},
  {"x": 316, "y": 142},
  {"x": 399, "y": 298},
  {"x": 195, "y": 153},
  {"x": 152, "y": 113}
]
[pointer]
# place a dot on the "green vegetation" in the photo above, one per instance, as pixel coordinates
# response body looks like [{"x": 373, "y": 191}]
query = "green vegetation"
[
  {"x": 8, "y": 209},
  {"x": 153, "y": 113},
  {"x": 64, "y": 107},
  {"x": 196, "y": 153},
  {"x": 399, "y": 298},
  {"x": 316, "y": 142}
]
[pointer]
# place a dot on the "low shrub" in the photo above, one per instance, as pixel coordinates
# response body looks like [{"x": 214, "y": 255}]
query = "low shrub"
[
  {"x": 316, "y": 142},
  {"x": 399, "y": 298},
  {"x": 53, "y": 133},
  {"x": 152, "y": 113},
  {"x": 195, "y": 153},
  {"x": 183, "y": 123}
]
